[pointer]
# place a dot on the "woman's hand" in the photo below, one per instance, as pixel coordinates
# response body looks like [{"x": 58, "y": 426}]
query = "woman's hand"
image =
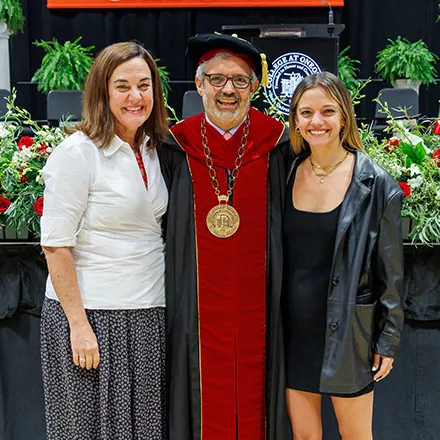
[
  {"x": 383, "y": 365},
  {"x": 85, "y": 348},
  {"x": 62, "y": 271}
]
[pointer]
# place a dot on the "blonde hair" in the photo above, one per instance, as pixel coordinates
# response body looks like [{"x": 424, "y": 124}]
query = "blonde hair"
[
  {"x": 98, "y": 121},
  {"x": 331, "y": 84}
]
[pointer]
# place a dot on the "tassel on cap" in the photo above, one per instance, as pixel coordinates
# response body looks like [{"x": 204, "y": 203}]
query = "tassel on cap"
[{"x": 264, "y": 70}]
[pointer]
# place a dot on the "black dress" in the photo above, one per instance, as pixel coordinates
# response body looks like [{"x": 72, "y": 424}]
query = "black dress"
[
  {"x": 309, "y": 242},
  {"x": 309, "y": 239}
]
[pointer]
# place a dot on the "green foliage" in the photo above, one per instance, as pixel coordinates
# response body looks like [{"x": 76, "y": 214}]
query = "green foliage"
[
  {"x": 409, "y": 155},
  {"x": 164, "y": 78},
  {"x": 270, "y": 108},
  {"x": 401, "y": 59},
  {"x": 356, "y": 95},
  {"x": 11, "y": 13},
  {"x": 166, "y": 88},
  {"x": 64, "y": 67},
  {"x": 347, "y": 73},
  {"x": 348, "y": 70}
]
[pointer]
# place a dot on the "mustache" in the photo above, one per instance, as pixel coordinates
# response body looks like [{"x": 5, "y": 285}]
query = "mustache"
[{"x": 228, "y": 95}]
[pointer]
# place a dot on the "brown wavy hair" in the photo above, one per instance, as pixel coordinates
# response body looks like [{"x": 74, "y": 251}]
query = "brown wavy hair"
[
  {"x": 331, "y": 84},
  {"x": 98, "y": 121}
]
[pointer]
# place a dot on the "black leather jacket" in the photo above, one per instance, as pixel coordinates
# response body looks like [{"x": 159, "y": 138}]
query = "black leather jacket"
[{"x": 364, "y": 307}]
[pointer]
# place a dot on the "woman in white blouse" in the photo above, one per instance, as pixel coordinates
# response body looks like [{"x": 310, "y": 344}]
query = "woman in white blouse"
[{"x": 103, "y": 320}]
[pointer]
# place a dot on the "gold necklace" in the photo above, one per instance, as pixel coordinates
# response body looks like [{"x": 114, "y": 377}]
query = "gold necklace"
[
  {"x": 324, "y": 174},
  {"x": 223, "y": 220}
]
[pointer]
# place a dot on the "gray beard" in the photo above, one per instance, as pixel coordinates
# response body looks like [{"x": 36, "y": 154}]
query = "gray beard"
[{"x": 227, "y": 115}]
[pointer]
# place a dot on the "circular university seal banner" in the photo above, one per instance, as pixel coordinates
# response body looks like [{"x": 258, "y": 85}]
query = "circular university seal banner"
[{"x": 287, "y": 72}]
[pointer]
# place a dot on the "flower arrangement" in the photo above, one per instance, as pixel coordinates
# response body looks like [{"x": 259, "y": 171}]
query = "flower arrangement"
[
  {"x": 411, "y": 154},
  {"x": 21, "y": 161}
]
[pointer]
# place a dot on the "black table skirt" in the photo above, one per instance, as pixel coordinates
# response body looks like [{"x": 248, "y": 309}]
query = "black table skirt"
[{"x": 406, "y": 403}]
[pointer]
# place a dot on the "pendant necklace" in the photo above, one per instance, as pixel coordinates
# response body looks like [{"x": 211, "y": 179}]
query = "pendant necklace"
[
  {"x": 323, "y": 174},
  {"x": 223, "y": 219}
]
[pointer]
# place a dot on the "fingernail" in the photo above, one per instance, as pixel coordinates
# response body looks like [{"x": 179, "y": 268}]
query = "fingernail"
[{"x": 374, "y": 368}]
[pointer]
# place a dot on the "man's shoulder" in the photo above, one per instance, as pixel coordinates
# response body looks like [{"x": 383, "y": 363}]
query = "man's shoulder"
[
  {"x": 186, "y": 124},
  {"x": 259, "y": 115},
  {"x": 170, "y": 151}
]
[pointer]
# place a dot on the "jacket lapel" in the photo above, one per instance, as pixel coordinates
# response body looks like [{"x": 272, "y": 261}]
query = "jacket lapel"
[{"x": 358, "y": 190}]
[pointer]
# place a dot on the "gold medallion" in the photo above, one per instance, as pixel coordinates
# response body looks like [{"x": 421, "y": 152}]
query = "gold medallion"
[{"x": 223, "y": 220}]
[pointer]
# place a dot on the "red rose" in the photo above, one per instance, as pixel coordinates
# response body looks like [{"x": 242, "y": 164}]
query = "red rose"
[
  {"x": 436, "y": 156},
  {"x": 23, "y": 177},
  {"x": 38, "y": 206},
  {"x": 391, "y": 144},
  {"x": 42, "y": 149},
  {"x": 436, "y": 128},
  {"x": 405, "y": 188},
  {"x": 4, "y": 204},
  {"x": 25, "y": 141}
]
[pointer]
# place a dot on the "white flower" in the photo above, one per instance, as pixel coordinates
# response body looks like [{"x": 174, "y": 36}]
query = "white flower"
[
  {"x": 414, "y": 170},
  {"x": 416, "y": 182},
  {"x": 23, "y": 155},
  {"x": 4, "y": 130},
  {"x": 407, "y": 136},
  {"x": 396, "y": 170},
  {"x": 39, "y": 177}
]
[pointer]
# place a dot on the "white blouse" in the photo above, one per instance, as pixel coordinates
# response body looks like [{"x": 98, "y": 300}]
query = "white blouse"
[{"x": 96, "y": 202}]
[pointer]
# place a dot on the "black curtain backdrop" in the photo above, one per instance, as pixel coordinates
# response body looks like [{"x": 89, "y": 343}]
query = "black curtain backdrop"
[{"x": 165, "y": 31}]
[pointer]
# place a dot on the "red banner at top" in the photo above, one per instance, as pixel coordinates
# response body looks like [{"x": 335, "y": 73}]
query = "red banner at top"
[{"x": 87, "y": 4}]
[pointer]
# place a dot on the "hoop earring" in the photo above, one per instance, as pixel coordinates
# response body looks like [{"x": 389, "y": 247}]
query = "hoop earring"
[{"x": 297, "y": 131}]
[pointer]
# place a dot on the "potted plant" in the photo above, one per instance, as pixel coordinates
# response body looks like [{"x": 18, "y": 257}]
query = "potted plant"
[
  {"x": 11, "y": 21},
  {"x": 11, "y": 14},
  {"x": 64, "y": 67},
  {"x": 406, "y": 64}
]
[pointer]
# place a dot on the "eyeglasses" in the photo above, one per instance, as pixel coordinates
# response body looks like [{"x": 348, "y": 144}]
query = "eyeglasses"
[{"x": 219, "y": 80}]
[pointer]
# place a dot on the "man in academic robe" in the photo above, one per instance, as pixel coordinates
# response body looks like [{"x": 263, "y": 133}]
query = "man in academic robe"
[{"x": 226, "y": 175}]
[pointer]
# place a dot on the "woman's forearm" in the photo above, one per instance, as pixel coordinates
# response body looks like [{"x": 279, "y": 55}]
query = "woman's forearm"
[{"x": 63, "y": 276}]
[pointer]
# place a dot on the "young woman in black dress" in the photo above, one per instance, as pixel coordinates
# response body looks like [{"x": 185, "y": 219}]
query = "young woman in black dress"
[{"x": 344, "y": 265}]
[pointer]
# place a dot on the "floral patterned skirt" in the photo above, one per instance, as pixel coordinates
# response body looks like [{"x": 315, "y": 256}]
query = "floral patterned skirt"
[{"x": 124, "y": 398}]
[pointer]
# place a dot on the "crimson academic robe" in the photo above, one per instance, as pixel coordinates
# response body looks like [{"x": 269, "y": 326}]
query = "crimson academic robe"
[{"x": 224, "y": 330}]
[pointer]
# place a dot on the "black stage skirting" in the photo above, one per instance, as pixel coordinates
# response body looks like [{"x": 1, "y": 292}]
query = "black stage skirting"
[{"x": 406, "y": 403}]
